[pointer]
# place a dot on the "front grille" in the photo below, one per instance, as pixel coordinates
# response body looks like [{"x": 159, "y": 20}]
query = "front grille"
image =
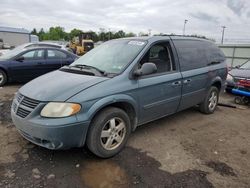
[
  {"x": 23, "y": 105},
  {"x": 19, "y": 97},
  {"x": 22, "y": 112},
  {"x": 31, "y": 103}
]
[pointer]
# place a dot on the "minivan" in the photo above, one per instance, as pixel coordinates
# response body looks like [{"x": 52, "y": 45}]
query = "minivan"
[{"x": 103, "y": 96}]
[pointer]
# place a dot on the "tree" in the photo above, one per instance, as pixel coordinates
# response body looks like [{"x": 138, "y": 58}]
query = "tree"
[
  {"x": 120, "y": 34},
  {"x": 34, "y": 32},
  {"x": 74, "y": 33},
  {"x": 41, "y": 34},
  {"x": 130, "y": 34}
]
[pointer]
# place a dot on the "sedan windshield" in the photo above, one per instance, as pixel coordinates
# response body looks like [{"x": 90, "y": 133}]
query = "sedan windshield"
[
  {"x": 245, "y": 65},
  {"x": 14, "y": 52},
  {"x": 112, "y": 56}
]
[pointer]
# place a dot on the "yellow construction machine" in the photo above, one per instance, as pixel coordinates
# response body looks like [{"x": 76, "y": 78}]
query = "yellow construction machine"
[{"x": 82, "y": 44}]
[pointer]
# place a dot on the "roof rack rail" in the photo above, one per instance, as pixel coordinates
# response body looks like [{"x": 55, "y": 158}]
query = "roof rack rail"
[{"x": 191, "y": 36}]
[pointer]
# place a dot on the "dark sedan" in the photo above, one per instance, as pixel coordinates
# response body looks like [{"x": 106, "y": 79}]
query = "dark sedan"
[
  {"x": 24, "y": 64},
  {"x": 241, "y": 72}
]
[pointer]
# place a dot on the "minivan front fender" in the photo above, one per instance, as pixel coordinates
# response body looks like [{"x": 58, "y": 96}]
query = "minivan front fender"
[{"x": 113, "y": 99}]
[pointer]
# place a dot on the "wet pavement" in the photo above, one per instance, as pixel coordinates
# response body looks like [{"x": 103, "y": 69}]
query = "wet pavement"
[{"x": 187, "y": 149}]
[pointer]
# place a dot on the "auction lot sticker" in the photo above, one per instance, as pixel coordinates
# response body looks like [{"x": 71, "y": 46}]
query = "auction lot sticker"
[{"x": 138, "y": 43}]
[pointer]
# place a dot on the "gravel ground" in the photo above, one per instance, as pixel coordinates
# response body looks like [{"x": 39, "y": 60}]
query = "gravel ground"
[{"x": 187, "y": 149}]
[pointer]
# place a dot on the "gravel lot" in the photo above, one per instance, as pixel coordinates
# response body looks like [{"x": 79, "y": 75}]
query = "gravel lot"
[{"x": 187, "y": 149}]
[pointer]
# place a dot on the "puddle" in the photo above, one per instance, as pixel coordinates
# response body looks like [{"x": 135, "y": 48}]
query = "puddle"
[
  {"x": 133, "y": 168},
  {"x": 79, "y": 168},
  {"x": 103, "y": 174},
  {"x": 221, "y": 168}
]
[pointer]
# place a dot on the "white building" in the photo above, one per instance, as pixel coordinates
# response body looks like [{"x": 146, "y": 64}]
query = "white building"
[{"x": 15, "y": 36}]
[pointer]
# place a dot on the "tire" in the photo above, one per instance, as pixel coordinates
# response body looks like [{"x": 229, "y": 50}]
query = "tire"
[
  {"x": 108, "y": 132},
  {"x": 210, "y": 102},
  {"x": 3, "y": 78},
  {"x": 238, "y": 100}
]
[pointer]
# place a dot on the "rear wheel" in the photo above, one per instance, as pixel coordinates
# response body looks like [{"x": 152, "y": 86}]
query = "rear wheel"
[
  {"x": 210, "y": 102},
  {"x": 109, "y": 132},
  {"x": 3, "y": 78}
]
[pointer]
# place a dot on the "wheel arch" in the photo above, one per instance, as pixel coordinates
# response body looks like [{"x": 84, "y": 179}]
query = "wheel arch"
[
  {"x": 5, "y": 71},
  {"x": 124, "y": 102},
  {"x": 217, "y": 82}
]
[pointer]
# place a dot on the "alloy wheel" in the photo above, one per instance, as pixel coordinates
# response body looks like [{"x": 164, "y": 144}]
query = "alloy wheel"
[
  {"x": 113, "y": 133},
  {"x": 213, "y": 99}
]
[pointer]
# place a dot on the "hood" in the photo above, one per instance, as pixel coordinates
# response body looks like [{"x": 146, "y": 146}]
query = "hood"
[
  {"x": 243, "y": 73},
  {"x": 58, "y": 85},
  {"x": 3, "y": 61}
]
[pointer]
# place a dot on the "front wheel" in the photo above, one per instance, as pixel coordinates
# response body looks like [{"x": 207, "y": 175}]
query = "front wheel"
[
  {"x": 210, "y": 102},
  {"x": 108, "y": 132},
  {"x": 3, "y": 78}
]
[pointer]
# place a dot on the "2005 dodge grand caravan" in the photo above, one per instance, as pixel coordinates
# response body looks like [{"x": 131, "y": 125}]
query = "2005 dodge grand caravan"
[{"x": 103, "y": 96}]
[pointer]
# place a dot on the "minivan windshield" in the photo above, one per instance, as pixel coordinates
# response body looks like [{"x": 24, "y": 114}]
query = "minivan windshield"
[{"x": 112, "y": 56}]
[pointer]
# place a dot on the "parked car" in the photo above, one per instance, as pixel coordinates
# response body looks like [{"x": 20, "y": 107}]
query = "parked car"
[
  {"x": 24, "y": 64},
  {"x": 3, "y": 51},
  {"x": 104, "y": 95},
  {"x": 41, "y": 44},
  {"x": 37, "y": 44},
  {"x": 238, "y": 73}
]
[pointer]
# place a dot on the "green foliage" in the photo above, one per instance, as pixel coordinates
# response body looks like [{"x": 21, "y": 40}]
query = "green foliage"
[{"x": 58, "y": 33}]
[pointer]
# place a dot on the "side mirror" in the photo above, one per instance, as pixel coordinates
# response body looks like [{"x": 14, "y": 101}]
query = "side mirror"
[
  {"x": 237, "y": 67},
  {"x": 20, "y": 59},
  {"x": 146, "y": 69}
]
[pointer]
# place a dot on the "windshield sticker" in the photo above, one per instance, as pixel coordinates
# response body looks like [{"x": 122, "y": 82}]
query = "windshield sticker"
[{"x": 138, "y": 43}]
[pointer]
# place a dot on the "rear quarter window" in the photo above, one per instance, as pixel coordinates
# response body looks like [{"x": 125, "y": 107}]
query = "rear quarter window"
[
  {"x": 214, "y": 54},
  {"x": 191, "y": 53}
]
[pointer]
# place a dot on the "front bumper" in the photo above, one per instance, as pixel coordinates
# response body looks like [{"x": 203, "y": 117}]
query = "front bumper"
[{"x": 45, "y": 132}]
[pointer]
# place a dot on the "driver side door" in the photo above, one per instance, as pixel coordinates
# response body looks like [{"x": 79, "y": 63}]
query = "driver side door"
[{"x": 25, "y": 67}]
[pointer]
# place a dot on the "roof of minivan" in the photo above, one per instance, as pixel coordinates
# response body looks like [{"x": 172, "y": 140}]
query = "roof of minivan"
[{"x": 165, "y": 37}]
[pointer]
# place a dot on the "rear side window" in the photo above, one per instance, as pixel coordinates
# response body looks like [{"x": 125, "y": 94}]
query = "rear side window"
[
  {"x": 55, "y": 54},
  {"x": 214, "y": 54},
  {"x": 191, "y": 53}
]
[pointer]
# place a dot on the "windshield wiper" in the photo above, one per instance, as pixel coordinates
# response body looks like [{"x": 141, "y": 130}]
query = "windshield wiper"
[{"x": 82, "y": 66}]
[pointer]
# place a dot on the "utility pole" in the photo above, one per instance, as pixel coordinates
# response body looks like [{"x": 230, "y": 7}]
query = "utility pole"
[
  {"x": 149, "y": 32},
  {"x": 184, "y": 27},
  {"x": 222, "y": 37}
]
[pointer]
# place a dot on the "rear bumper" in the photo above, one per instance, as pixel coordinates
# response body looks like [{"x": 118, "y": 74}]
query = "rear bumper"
[{"x": 61, "y": 136}]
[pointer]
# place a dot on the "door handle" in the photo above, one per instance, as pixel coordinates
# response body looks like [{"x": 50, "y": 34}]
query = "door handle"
[
  {"x": 187, "y": 81},
  {"x": 39, "y": 63},
  {"x": 177, "y": 83}
]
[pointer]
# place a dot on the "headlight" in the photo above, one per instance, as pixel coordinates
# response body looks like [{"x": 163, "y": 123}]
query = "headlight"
[
  {"x": 60, "y": 109},
  {"x": 229, "y": 77}
]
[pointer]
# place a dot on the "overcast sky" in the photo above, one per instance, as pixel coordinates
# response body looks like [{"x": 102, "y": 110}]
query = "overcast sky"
[{"x": 205, "y": 17}]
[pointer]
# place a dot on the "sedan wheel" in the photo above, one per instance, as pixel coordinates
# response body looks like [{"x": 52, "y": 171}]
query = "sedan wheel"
[{"x": 3, "y": 78}]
